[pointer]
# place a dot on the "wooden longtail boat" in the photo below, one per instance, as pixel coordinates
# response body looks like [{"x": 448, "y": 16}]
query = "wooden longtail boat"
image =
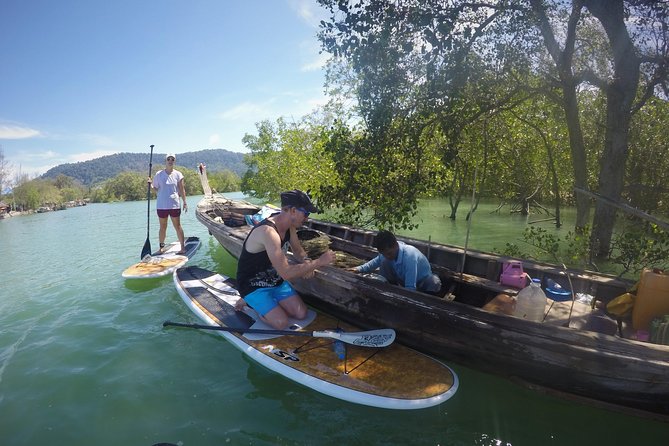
[{"x": 578, "y": 352}]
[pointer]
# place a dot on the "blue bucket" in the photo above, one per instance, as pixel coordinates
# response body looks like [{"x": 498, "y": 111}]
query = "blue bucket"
[{"x": 555, "y": 291}]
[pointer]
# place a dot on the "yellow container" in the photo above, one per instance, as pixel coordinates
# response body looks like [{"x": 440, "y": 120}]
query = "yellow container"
[{"x": 652, "y": 299}]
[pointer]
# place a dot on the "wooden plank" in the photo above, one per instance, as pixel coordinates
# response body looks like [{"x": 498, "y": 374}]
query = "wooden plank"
[{"x": 474, "y": 281}]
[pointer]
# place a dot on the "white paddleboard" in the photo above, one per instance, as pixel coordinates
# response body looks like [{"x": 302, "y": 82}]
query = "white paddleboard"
[
  {"x": 394, "y": 377},
  {"x": 160, "y": 264}
]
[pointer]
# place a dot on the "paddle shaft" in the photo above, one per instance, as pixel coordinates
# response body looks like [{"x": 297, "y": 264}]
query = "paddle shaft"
[
  {"x": 372, "y": 338},
  {"x": 148, "y": 194},
  {"x": 146, "y": 250}
]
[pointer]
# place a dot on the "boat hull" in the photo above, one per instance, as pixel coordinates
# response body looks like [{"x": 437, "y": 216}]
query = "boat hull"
[{"x": 593, "y": 367}]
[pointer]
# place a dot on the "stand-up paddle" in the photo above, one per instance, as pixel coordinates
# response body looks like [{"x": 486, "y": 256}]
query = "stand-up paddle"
[
  {"x": 146, "y": 250},
  {"x": 372, "y": 338}
]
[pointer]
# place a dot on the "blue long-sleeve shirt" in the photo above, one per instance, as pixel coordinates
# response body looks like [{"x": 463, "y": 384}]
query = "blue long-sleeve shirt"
[{"x": 411, "y": 265}]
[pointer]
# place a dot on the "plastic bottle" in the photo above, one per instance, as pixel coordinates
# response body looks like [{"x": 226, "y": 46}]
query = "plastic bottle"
[
  {"x": 531, "y": 303},
  {"x": 339, "y": 348}
]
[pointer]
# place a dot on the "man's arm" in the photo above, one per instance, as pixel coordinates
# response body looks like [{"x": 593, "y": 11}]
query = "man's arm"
[
  {"x": 296, "y": 246},
  {"x": 182, "y": 192},
  {"x": 271, "y": 241},
  {"x": 369, "y": 266},
  {"x": 410, "y": 269}
]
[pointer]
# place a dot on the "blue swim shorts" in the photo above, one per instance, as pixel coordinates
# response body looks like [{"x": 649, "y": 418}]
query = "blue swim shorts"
[{"x": 264, "y": 300}]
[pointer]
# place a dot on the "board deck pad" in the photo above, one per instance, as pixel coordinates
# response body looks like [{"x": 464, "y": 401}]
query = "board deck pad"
[
  {"x": 159, "y": 263},
  {"x": 202, "y": 284},
  {"x": 394, "y": 377},
  {"x": 191, "y": 244}
]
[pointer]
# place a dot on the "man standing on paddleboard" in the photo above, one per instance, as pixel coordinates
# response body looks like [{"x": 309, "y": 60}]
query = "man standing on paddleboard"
[
  {"x": 169, "y": 183},
  {"x": 263, "y": 270}
]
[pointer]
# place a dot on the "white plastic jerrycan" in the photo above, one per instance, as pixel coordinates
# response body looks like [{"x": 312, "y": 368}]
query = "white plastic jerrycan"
[{"x": 531, "y": 303}]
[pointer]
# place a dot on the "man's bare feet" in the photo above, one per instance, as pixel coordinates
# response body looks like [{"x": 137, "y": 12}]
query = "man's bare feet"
[{"x": 240, "y": 304}]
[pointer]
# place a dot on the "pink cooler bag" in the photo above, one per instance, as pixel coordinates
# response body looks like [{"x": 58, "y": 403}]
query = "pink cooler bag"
[{"x": 513, "y": 275}]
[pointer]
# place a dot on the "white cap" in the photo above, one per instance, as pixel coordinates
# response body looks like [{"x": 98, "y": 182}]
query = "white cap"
[{"x": 172, "y": 155}]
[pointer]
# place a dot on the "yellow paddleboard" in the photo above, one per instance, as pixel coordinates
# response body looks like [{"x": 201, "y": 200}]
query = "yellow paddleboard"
[{"x": 160, "y": 264}]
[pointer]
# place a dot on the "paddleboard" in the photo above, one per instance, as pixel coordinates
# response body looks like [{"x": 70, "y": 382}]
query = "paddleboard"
[
  {"x": 394, "y": 377},
  {"x": 160, "y": 264}
]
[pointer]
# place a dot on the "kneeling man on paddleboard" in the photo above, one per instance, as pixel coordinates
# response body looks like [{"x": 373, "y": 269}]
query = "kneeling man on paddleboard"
[{"x": 263, "y": 270}]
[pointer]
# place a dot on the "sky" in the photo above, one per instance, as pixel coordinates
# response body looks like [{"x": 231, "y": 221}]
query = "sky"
[{"x": 80, "y": 79}]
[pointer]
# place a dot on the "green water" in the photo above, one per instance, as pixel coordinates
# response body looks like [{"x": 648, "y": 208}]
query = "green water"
[{"x": 84, "y": 359}]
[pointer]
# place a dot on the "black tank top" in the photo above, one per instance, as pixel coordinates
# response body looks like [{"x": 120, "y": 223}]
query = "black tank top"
[{"x": 255, "y": 270}]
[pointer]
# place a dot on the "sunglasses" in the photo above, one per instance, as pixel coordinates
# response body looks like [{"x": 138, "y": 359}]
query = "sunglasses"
[
  {"x": 170, "y": 159},
  {"x": 306, "y": 214}
]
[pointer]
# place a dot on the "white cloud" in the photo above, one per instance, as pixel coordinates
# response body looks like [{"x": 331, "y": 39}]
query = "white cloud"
[
  {"x": 9, "y": 131},
  {"x": 309, "y": 11},
  {"x": 317, "y": 63},
  {"x": 247, "y": 110},
  {"x": 41, "y": 155},
  {"x": 95, "y": 139},
  {"x": 317, "y": 102},
  {"x": 86, "y": 156},
  {"x": 293, "y": 104},
  {"x": 311, "y": 14},
  {"x": 214, "y": 139}
]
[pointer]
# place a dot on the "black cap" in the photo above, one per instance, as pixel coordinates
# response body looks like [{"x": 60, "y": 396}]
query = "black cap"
[{"x": 297, "y": 198}]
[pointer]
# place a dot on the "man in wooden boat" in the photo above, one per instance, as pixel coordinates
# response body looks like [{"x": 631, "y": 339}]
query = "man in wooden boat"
[
  {"x": 263, "y": 270},
  {"x": 401, "y": 264}
]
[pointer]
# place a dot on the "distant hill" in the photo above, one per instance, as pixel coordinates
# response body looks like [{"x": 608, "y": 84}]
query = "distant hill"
[{"x": 103, "y": 168}]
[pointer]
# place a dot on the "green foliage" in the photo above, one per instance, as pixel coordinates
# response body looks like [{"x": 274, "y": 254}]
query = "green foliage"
[
  {"x": 648, "y": 166},
  {"x": 99, "y": 194},
  {"x": 26, "y": 195},
  {"x": 225, "y": 181},
  {"x": 192, "y": 184},
  {"x": 63, "y": 181},
  {"x": 633, "y": 248},
  {"x": 433, "y": 70},
  {"x": 512, "y": 250},
  {"x": 126, "y": 186},
  {"x": 71, "y": 194},
  {"x": 32, "y": 194},
  {"x": 640, "y": 248},
  {"x": 571, "y": 250},
  {"x": 287, "y": 156},
  {"x": 132, "y": 186},
  {"x": 379, "y": 182}
]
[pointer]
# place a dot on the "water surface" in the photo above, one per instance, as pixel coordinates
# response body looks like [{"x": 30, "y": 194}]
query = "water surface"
[{"x": 84, "y": 359}]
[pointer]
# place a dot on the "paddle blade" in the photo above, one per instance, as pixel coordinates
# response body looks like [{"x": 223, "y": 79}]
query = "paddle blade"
[
  {"x": 372, "y": 338},
  {"x": 146, "y": 250}
]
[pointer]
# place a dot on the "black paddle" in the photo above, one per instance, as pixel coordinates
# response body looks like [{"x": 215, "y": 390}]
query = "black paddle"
[
  {"x": 372, "y": 338},
  {"x": 146, "y": 250}
]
